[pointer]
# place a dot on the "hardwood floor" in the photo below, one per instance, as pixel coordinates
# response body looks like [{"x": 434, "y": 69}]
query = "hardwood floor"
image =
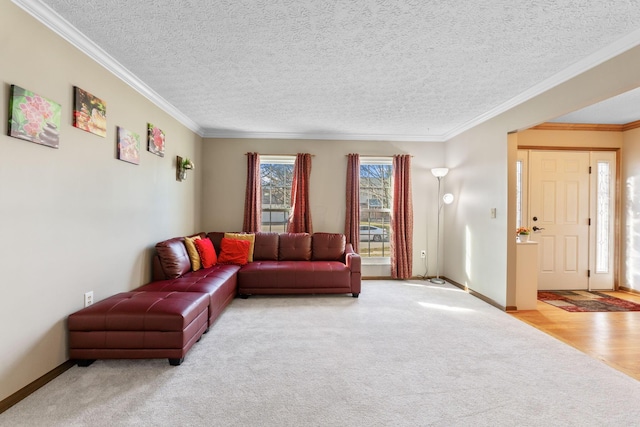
[{"x": 612, "y": 337}]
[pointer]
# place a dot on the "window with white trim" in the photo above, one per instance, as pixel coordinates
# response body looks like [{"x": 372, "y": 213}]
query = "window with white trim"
[
  {"x": 276, "y": 174},
  {"x": 375, "y": 207}
]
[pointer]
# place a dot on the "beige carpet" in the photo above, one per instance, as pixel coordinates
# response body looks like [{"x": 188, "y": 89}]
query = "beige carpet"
[{"x": 403, "y": 354}]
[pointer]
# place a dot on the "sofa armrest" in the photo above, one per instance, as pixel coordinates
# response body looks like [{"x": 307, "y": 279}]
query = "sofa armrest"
[
  {"x": 352, "y": 259},
  {"x": 157, "y": 273},
  {"x": 353, "y": 263}
]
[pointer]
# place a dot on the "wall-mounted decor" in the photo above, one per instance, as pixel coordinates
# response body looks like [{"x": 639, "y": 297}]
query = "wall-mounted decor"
[
  {"x": 182, "y": 166},
  {"x": 33, "y": 117},
  {"x": 89, "y": 112},
  {"x": 128, "y": 146},
  {"x": 155, "y": 140}
]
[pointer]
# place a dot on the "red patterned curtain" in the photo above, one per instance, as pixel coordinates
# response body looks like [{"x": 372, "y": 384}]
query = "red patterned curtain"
[
  {"x": 402, "y": 219},
  {"x": 300, "y": 220},
  {"x": 352, "y": 219},
  {"x": 252, "y": 198}
]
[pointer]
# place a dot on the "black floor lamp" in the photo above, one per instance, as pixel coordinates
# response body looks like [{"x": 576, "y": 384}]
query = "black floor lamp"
[{"x": 440, "y": 173}]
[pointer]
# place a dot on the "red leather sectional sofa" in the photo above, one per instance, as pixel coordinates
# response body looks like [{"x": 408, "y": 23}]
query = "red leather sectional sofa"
[{"x": 283, "y": 263}]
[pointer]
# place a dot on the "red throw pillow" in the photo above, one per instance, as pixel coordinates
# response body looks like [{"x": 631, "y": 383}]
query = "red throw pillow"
[
  {"x": 233, "y": 251},
  {"x": 207, "y": 252}
]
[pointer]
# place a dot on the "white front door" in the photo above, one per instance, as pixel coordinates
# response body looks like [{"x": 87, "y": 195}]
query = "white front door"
[{"x": 559, "y": 208}]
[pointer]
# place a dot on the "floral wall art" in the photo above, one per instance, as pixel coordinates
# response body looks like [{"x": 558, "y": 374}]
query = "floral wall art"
[
  {"x": 155, "y": 140},
  {"x": 89, "y": 112},
  {"x": 128, "y": 146},
  {"x": 33, "y": 117}
]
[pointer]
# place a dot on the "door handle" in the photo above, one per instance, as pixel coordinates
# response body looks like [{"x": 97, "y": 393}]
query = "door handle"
[{"x": 537, "y": 228}]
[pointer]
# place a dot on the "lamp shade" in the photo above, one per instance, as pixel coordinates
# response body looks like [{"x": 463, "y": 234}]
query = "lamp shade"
[
  {"x": 447, "y": 198},
  {"x": 439, "y": 172}
]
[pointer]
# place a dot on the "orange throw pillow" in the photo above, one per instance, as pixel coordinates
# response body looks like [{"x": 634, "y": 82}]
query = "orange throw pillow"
[
  {"x": 234, "y": 251},
  {"x": 244, "y": 236},
  {"x": 207, "y": 252}
]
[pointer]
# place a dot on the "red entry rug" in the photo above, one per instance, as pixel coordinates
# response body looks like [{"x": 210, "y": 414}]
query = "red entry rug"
[{"x": 584, "y": 301}]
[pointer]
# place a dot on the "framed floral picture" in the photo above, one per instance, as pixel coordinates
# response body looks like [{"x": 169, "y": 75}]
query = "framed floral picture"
[
  {"x": 155, "y": 140},
  {"x": 128, "y": 146},
  {"x": 89, "y": 112},
  {"x": 33, "y": 117}
]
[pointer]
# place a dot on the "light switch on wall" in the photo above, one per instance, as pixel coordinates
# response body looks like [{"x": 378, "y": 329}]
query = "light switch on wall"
[{"x": 493, "y": 212}]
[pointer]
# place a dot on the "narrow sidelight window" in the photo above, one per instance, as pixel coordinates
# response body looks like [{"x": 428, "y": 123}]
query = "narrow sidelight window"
[{"x": 602, "y": 219}]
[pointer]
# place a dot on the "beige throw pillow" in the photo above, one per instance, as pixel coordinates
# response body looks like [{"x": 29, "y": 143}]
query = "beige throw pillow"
[{"x": 194, "y": 256}]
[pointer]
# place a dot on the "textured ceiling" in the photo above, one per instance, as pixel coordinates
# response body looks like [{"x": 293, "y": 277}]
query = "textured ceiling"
[{"x": 352, "y": 69}]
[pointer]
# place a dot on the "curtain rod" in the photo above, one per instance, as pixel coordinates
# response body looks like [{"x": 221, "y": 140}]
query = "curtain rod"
[
  {"x": 290, "y": 155},
  {"x": 313, "y": 155},
  {"x": 373, "y": 155}
]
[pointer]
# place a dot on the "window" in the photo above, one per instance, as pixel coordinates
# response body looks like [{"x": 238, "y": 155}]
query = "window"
[
  {"x": 519, "y": 194},
  {"x": 603, "y": 209},
  {"x": 522, "y": 188},
  {"x": 375, "y": 207},
  {"x": 276, "y": 174}
]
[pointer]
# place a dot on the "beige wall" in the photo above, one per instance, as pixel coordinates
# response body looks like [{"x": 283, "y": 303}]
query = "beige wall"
[
  {"x": 630, "y": 207},
  {"x": 224, "y": 183},
  {"x": 475, "y": 249},
  {"x": 76, "y": 219},
  {"x": 479, "y": 248}
]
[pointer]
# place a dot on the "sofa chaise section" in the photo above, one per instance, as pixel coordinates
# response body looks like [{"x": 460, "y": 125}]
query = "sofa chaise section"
[{"x": 138, "y": 325}]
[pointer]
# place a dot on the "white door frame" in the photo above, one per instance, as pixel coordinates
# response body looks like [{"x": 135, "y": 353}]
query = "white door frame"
[{"x": 598, "y": 279}]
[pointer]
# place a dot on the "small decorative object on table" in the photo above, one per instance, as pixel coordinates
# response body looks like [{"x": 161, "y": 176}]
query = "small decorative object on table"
[{"x": 523, "y": 233}]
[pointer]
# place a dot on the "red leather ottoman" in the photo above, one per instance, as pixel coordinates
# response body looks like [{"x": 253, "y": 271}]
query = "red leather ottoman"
[{"x": 138, "y": 325}]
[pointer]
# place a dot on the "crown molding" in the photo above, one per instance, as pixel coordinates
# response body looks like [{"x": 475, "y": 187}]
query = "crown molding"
[
  {"x": 68, "y": 32},
  {"x": 631, "y": 126},
  {"x": 64, "y": 29},
  {"x": 52, "y": 20},
  {"x": 229, "y": 134},
  {"x": 616, "y": 48},
  {"x": 592, "y": 127}
]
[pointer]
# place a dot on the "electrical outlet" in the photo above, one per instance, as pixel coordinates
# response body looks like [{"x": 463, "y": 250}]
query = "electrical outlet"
[
  {"x": 88, "y": 298},
  {"x": 423, "y": 254}
]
